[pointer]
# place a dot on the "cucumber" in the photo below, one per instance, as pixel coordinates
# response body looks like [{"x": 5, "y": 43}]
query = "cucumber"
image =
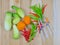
[
  {"x": 16, "y": 33},
  {"x": 8, "y": 21},
  {"x": 16, "y": 18},
  {"x": 19, "y": 11}
]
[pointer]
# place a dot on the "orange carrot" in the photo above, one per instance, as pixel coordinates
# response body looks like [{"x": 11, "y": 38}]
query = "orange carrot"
[
  {"x": 43, "y": 9},
  {"x": 21, "y": 25},
  {"x": 34, "y": 14},
  {"x": 27, "y": 20}
]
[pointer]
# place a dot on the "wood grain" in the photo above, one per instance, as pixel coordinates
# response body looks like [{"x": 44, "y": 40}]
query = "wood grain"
[
  {"x": 6, "y": 37},
  {"x": 4, "y": 34},
  {"x": 0, "y": 19},
  {"x": 49, "y": 13},
  {"x": 25, "y": 4},
  {"x": 12, "y": 41}
]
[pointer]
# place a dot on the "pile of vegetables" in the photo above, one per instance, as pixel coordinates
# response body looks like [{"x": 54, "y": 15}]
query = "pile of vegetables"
[{"x": 26, "y": 25}]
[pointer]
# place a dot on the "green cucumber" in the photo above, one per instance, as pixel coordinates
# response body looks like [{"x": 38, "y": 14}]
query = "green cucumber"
[
  {"x": 8, "y": 21},
  {"x": 19, "y": 11},
  {"x": 16, "y": 33},
  {"x": 16, "y": 18}
]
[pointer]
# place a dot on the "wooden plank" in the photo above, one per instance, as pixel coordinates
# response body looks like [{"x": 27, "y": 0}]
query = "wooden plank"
[
  {"x": 33, "y": 2},
  {"x": 25, "y": 4},
  {"x": 4, "y": 34},
  {"x": 0, "y": 19},
  {"x": 12, "y": 41},
  {"x": 49, "y": 39},
  {"x": 14, "y": 2},
  {"x": 49, "y": 13},
  {"x": 37, "y": 40},
  {"x": 6, "y": 37}
]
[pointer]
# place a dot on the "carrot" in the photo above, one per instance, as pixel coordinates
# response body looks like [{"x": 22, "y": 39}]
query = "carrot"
[
  {"x": 27, "y": 20},
  {"x": 43, "y": 9},
  {"x": 34, "y": 21},
  {"x": 47, "y": 20},
  {"x": 21, "y": 25},
  {"x": 34, "y": 14}
]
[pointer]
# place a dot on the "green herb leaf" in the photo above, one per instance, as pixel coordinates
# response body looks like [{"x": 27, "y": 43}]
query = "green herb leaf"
[
  {"x": 33, "y": 27},
  {"x": 33, "y": 31},
  {"x": 33, "y": 17},
  {"x": 38, "y": 11},
  {"x": 32, "y": 36}
]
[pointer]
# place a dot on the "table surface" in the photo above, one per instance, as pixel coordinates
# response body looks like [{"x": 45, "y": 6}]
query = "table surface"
[{"x": 6, "y": 37}]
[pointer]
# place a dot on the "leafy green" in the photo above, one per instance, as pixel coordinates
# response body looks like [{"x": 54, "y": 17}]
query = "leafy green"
[
  {"x": 38, "y": 11},
  {"x": 8, "y": 21},
  {"x": 33, "y": 27},
  {"x": 33, "y": 31},
  {"x": 33, "y": 17},
  {"x": 32, "y": 36}
]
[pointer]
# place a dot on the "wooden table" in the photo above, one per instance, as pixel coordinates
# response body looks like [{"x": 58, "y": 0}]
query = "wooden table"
[{"x": 6, "y": 37}]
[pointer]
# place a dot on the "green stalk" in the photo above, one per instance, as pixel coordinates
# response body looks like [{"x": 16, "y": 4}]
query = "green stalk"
[{"x": 33, "y": 32}]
